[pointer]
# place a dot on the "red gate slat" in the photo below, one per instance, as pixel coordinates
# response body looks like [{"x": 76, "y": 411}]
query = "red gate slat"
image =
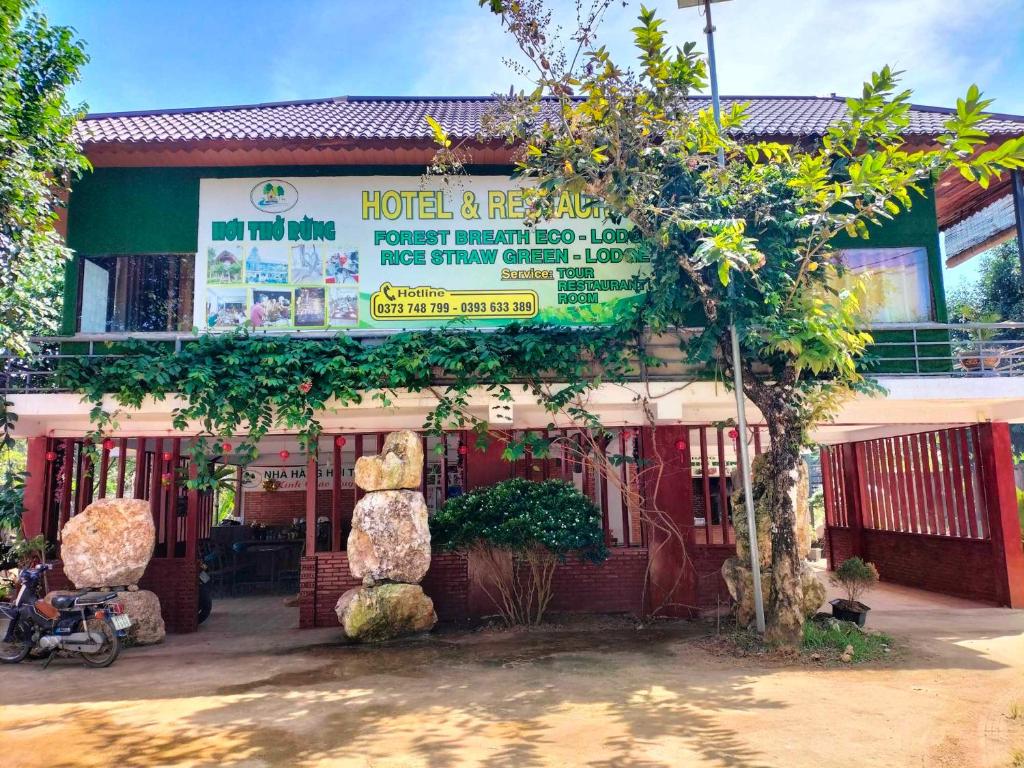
[
  {"x": 122, "y": 462},
  {"x": 101, "y": 490},
  {"x": 982, "y": 517},
  {"x": 927, "y": 473},
  {"x": 723, "y": 489},
  {"x": 705, "y": 481},
  {"x": 968, "y": 464},
  {"x": 941, "y": 506},
  {"x": 924, "y": 508}
]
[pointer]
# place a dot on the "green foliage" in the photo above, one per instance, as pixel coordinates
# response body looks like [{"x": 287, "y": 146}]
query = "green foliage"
[
  {"x": 831, "y": 640},
  {"x": 520, "y": 515},
  {"x": 241, "y": 384},
  {"x": 855, "y": 576},
  {"x": 997, "y": 293},
  {"x": 1020, "y": 512},
  {"x": 38, "y": 156},
  {"x": 743, "y": 231},
  {"x": 12, "y": 485}
]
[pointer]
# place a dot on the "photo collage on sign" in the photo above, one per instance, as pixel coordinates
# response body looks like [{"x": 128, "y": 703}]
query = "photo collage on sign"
[{"x": 305, "y": 285}]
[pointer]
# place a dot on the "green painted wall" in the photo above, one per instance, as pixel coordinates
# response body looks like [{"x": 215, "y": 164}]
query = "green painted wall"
[{"x": 156, "y": 210}]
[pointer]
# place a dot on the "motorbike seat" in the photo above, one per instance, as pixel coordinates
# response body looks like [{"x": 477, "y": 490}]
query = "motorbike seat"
[
  {"x": 92, "y": 598},
  {"x": 63, "y": 601}
]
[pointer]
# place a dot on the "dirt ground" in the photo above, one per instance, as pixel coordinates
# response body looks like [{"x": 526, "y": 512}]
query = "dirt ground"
[{"x": 597, "y": 693}]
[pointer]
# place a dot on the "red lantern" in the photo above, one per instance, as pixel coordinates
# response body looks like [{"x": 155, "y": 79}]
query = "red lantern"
[
  {"x": 284, "y": 455},
  {"x": 167, "y": 456},
  {"x": 51, "y": 455},
  {"x": 108, "y": 444},
  {"x": 225, "y": 447},
  {"x": 463, "y": 450},
  {"x": 733, "y": 434},
  {"x": 340, "y": 442},
  {"x": 680, "y": 445},
  {"x": 627, "y": 435}
]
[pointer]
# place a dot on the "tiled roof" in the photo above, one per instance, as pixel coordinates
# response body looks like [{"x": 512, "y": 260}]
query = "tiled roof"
[{"x": 359, "y": 118}]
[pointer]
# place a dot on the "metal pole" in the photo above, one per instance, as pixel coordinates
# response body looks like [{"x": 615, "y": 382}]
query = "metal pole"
[{"x": 737, "y": 371}]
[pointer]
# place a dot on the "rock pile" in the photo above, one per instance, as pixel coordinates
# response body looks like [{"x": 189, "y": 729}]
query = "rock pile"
[
  {"x": 108, "y": 546},
  {"x": 389, "y": 546},
  {"x": 736, "y": 570}
]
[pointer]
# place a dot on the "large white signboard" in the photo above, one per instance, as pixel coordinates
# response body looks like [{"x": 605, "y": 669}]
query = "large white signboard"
[{"x": 395, "y": 252}]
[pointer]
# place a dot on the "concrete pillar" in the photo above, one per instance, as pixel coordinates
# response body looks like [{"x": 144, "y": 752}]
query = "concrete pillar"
[{"x": 668, "y": 504}]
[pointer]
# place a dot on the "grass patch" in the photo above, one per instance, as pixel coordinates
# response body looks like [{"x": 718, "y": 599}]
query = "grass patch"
[
  {"x": 1016, "y": 711},
  {"x": 831, "y": 640},
  {"x": 823, "y": 643},
  {"x": 1017, "y": 759}
]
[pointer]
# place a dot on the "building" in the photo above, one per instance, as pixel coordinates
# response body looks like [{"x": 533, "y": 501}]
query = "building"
[{"x": 310, "y": 218}]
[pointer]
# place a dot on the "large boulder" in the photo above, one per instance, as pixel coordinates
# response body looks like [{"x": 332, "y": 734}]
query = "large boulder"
[
  {"x": 390, "y": 538},
  {"x": 384, "y": 612},
  {"x": 399, "y": 464},
  {"x": 143, "y": 607},
  {"x": 740, "y": 582},
  {"x": 109, "y": 543}
]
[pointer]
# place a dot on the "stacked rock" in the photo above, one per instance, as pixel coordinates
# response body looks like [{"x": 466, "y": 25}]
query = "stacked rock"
[
  {"x": 107, "y": 546},
  {"x": 389, "y": 546}
]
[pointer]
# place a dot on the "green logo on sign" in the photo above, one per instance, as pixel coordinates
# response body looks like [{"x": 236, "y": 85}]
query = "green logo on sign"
[{"x": 274, "y": 196}]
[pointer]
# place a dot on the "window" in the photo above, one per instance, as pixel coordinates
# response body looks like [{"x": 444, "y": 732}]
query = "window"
[
  {"x": 898, "y": 288},
  {"x": 136, "y": 293}
]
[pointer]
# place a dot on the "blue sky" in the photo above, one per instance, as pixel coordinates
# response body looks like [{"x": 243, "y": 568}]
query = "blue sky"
[{"x": 148, "y": 54}]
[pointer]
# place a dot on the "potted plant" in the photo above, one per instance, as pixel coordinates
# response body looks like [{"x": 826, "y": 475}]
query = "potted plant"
[
  {"x": 856, "y": 577},
  {"x": 975, "y": 355}
]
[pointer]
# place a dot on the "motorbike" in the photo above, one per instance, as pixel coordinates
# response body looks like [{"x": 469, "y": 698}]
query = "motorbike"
[{"x": 87, "y": 624}]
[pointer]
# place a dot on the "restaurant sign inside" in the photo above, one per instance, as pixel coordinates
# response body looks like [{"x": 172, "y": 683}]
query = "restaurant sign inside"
[{"x": 397, "y": 252}]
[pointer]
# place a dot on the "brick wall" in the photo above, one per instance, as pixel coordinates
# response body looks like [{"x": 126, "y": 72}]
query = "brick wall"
[
  {"x": 838, "y": 545},
  {"x": 282, "y": 507},
  {"x": 447, "y": 583},
  {"x": 174, "y": 581},
  {"x": 614, "y": 586},
  {"x": 959, "y": 567},
  {"x": 707, "y": 563}
]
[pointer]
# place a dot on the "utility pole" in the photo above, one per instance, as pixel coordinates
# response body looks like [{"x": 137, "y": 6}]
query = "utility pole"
[{"x": 737, "y": 371}]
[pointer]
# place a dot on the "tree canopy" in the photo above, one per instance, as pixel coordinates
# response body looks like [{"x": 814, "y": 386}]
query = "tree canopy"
[
  {"x": 38, "y": 158},
  {"x": 742, "y": 232}
]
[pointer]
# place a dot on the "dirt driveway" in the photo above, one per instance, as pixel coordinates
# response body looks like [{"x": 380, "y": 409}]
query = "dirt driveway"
[{"x": 617, "y": 697}]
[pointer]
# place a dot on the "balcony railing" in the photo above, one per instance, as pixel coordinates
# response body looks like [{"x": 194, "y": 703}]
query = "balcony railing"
[{"x": 899, "y": 349}]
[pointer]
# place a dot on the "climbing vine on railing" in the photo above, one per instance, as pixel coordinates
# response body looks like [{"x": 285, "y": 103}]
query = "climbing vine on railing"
[{"x": 251, "y": 384}]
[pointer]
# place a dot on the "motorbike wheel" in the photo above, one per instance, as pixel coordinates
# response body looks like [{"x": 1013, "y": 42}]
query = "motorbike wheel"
[
  {"x": 205, "y": 602},
  {"x": 106, "y": 655},
  {"x": 18, "y": 647}
]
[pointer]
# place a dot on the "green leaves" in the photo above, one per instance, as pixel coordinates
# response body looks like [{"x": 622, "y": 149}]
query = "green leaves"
[
  {"x": 38, "y": 157},
  {"x": 520, "y": 516},
  {"x": 237, "y": 384}
]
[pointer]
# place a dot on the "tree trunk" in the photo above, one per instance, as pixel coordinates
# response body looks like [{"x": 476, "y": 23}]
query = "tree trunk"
[{"x": 784, "y": 615}]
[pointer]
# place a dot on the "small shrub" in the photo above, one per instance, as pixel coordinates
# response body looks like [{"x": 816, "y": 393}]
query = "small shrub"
[
  {"x": 520, "y": 530},
  {"x": 856, "y": 577}
]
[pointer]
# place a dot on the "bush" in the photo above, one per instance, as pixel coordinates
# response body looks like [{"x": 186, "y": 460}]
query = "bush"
[
  {"x": 856, "y": 577},
  {"x": 520, "y": 530}
]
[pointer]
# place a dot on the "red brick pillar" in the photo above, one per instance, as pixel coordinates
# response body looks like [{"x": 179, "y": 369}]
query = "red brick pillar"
[
  {"x": 668, "y": 502},
  {"x": 1001, "y": 505},
  {"x": 37, "y": 467}
]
